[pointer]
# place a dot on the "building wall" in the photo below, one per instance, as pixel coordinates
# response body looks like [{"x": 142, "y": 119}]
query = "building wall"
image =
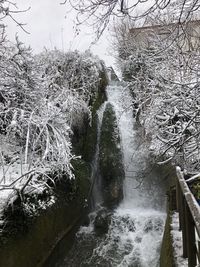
[{"x": 185, "y": 36}]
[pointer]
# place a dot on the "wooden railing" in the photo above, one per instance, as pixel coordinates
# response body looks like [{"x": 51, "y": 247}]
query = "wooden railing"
[{"x": 189, "y": 220}]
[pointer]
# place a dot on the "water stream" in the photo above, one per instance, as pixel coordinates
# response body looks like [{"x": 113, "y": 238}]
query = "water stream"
[
  {"x": 136, "y": 227},
  {"x": 96, "y": 196}
]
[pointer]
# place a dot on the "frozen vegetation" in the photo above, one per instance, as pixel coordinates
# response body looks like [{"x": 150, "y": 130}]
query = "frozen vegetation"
[
  {"x": 43, "y": 100},
  {"x": 161, "y": 67},
  {"x": 46, "y": 99}
]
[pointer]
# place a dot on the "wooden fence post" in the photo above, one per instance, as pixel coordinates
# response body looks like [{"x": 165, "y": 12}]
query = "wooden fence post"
[
  {"x": 183, "y": 223},
  {"x": 190, "y": 233},
  {"x": 178, "y": 203},
  {"x": 190, "y": 220}
]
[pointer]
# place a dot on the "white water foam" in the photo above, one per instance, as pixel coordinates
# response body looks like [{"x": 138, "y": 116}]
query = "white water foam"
[
  {"x": 133, "y": 239},
  {"x": 138, "y": 222}
]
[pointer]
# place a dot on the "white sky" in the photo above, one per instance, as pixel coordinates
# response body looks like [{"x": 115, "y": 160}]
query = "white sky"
[{"x": 50, "y": 25}]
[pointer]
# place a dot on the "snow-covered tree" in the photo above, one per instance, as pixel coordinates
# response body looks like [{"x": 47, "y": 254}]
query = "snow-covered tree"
[
  {"x": 163, "y": 74},
  {"x": 99, "y": 13}
]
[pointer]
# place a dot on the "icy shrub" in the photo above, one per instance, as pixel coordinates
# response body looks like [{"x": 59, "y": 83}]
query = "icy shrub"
[{"x": 43, "y": 99}]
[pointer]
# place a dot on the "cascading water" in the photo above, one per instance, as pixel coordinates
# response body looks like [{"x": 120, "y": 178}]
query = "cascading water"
[
  {"x": 136, "y": 226},
  {"x": 96, "y": 192}
]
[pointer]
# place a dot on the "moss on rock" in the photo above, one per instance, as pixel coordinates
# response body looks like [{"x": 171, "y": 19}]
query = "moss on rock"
[
  {"x": 84, "y": 142},
  {"x": 82, "y": 174},
  {"x": 111, "y": 159}
]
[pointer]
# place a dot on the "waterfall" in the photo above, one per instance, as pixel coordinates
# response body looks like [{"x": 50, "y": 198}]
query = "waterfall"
[
  {"x": 139, "y": 192},
  {"x": 136, "y": 226},
  {"x": 95, "y": 176},
  {"x": 138, "y": 222}
]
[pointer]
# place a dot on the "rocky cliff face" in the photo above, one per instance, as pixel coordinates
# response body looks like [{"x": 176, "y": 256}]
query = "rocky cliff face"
[{"x": 111, "y": 159}]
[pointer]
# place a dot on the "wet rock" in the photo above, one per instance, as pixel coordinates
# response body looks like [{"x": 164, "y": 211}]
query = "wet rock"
[
  {"x": 155, "y": 225},
  {"x": 131, "y": 227},
  {"x": 138, "y": 239},
  {"x": 86, "y": 221},
  {"x": 130, "y": 224},
  {"x": 111, "y": 159},
  {"x": 102, "y": 221},
  {"x": 158, "y": 225},
  {"x": 148, "y": 227},
  {"x": 128, "y": 247},
  {"x": 112, "y": 75},
  {"x": 135, "y": 260}
]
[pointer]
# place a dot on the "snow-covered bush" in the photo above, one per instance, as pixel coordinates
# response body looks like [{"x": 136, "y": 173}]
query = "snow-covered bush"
[
  {"x": 42, "y": 99},
  {"x": 71, "y": 81}
]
